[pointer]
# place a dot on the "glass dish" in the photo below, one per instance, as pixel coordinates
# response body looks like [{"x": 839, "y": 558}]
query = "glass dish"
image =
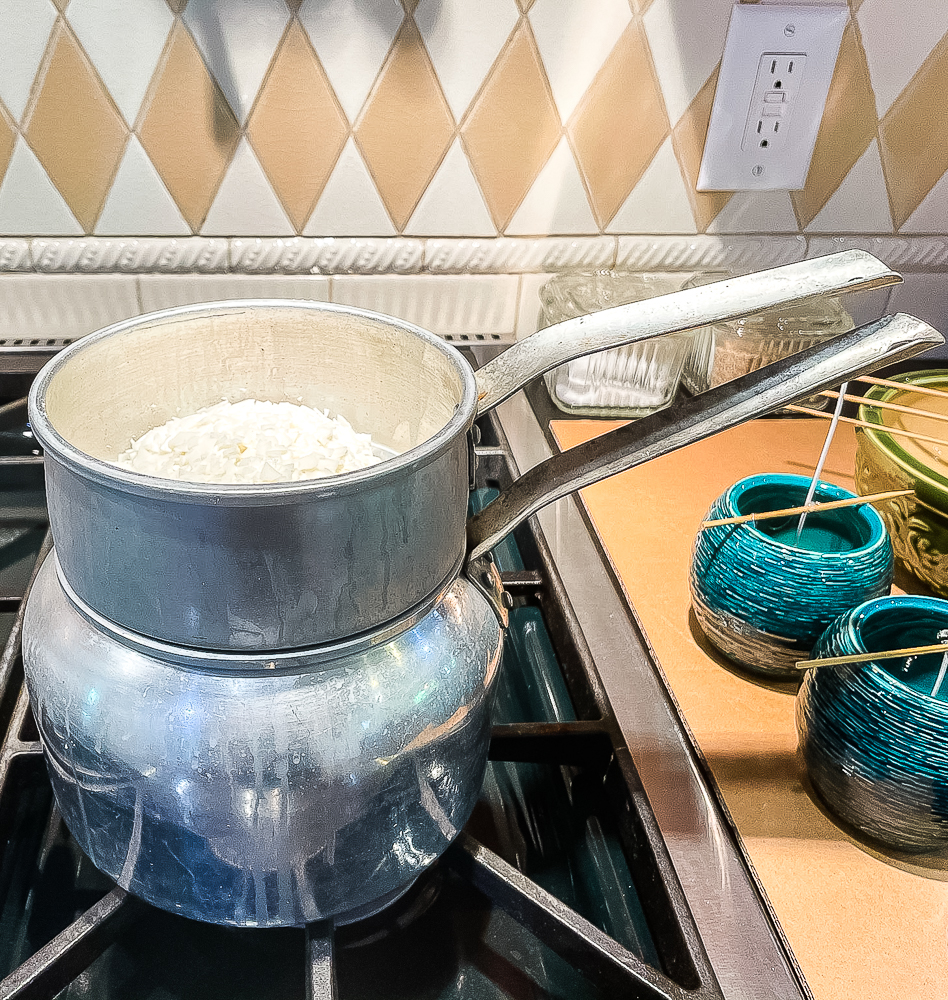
[
  {"x": 726, "y": 351},
  {"x": 629, "y": 381}
]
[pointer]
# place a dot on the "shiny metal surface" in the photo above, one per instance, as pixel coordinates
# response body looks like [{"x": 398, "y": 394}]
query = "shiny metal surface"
[
  {"x": 274, "y": 566},
  {"x": 264, "y": 797},
  {"x": 848, "y": 271},
  {"x": 740, "y": 933},
  {"x": 893, "y": 338},
  {"x": 287, "y": 565}
]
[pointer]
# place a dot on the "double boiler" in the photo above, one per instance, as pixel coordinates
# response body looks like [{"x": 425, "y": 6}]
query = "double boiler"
[{"x": 266, "y": 705}]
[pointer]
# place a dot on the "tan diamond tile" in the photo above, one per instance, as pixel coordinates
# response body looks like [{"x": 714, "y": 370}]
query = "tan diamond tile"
[
  {"x": 177, "y": 5},
  {"x": 61, "y": 4},
  {"x": 75, "y": 130},
  {"x": 294, "y": 5},
  {"x": 7, "y": 142},
  {"x": 513, "y": 127},
  {"x": 297, "y": 127},
  {"x": 189, "y": 131},
  {"x": 406, "y": 126},
  {"x": 912, "y": 136},
  {"x": 848, "y": 126},
  {"x": 688, "y": 139},
  {"x": 619, "y": 124},
  {"x": 409, "y": 6}
]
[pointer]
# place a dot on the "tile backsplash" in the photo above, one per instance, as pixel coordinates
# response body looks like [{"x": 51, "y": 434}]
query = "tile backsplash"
[{"x": 439, "y": 118}]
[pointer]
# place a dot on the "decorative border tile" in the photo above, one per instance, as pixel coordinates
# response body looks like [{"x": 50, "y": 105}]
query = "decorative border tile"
[
  {"x": 328, "y": 255},
  {"x": 923, "y": 252},
  {"x": 158, "y": 255},
  {"x": 509, "y": 255},
  {"x": 734, "y": 253},
  {"x": 15, "y": 255}
]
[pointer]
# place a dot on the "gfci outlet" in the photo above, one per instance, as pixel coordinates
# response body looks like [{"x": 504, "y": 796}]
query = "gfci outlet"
[{"x": 775, "y": 74}]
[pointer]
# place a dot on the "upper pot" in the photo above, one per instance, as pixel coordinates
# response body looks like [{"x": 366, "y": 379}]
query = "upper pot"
[{"x": 287, "y": 565}]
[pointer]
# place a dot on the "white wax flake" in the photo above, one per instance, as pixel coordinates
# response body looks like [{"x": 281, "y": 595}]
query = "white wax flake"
[{"x": 250, "y": 442}]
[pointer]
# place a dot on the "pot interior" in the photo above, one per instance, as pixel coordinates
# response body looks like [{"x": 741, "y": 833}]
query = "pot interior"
[{"x": 386, "y": 378}]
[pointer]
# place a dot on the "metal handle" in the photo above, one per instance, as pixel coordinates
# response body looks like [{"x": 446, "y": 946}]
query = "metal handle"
[
  {"x": 678, "y": 312},
  {"x": 891, "y": 339}
]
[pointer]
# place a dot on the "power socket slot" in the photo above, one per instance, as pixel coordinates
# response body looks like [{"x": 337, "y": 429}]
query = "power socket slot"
[{"x": 779, "y": 76}]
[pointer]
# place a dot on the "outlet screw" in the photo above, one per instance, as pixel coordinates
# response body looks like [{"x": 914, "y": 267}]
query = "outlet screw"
[
  {"x": 790, "y": 30},
  {"x": 757, "y": 171}
]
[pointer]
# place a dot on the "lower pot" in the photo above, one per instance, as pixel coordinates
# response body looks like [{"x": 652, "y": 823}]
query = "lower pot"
[{"x": 265, "y": 790}]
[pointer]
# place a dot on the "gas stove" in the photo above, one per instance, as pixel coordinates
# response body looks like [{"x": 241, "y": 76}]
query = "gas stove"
[{"x": 598, "y": 862}]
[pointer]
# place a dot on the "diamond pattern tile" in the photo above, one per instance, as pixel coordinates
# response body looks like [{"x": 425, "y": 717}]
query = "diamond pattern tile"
[
  {"x": 75, "y": 130},
  {"x": 297, "y": 127},
  {"x": 688, "y": 138},
  {"x": 512, "y": 128},
  {"x": 912, "y": 136},
  {"x": 848, "y": 126},
  {"x": 619, "y": 125},
  {"x": 406, "y": 127},
  {"x": 189, "y": 131},
  {"x": 373, "y": 117},
  {"x": 238, "y": 41},
  {"x": 7, "y": 142}
]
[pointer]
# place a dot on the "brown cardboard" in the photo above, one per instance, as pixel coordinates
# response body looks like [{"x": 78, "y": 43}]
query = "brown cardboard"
[{"x": 863, "y": 925}]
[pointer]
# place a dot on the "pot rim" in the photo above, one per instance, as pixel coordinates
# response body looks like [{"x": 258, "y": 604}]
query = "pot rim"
[
  {"x": 247, "y": 494},
  {"x": 887, "y": 443},
  {"x": 824, "y": 490}
]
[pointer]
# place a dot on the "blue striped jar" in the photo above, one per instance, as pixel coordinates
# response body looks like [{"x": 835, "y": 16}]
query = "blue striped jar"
[
  {"x": 761, "y": 597},
  {"x": 874, "y": 740}
]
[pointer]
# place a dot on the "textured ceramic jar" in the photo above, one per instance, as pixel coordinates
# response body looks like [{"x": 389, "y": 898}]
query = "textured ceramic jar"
[
  {"x": 762, "y": 598},
  {"x": 874, "y": 740}
]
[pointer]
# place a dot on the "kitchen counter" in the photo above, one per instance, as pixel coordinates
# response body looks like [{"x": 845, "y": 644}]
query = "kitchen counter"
[{"x": 862, "y": 923}]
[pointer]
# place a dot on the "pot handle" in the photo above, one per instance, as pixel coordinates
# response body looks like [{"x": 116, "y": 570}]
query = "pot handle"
[
  {"x": 678, "y": 312},
  {"x": 888, "y": 340}
]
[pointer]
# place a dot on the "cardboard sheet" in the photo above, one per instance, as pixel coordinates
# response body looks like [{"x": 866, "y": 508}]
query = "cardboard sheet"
[{"x": 862, "y": 924}]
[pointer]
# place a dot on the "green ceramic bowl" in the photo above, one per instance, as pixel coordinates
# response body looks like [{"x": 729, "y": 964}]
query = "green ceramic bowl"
[{"x": 918, "y": 526}]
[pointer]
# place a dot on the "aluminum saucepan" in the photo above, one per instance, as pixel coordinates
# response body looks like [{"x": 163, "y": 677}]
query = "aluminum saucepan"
[
  {"x": 266, "y": 789},
  {"x": 296, "y": 565}
]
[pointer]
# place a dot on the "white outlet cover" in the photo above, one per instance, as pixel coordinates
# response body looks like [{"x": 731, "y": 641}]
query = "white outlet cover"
[{"x": 755, "y": 29}]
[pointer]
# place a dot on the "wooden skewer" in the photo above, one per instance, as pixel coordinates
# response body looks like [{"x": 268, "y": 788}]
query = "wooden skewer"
[
  {"x": 807, "y": 508},
  {"x": 865, "y": 423},
  {"x": 905, "y": 386},
  {"x": 879, "y": 404},
  {"x": 890, "y": 654}
]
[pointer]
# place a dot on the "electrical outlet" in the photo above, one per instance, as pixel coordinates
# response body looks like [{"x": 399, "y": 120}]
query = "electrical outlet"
[
  {"x": 771, "y": 104},
  {"x": 775, "y": 74}
]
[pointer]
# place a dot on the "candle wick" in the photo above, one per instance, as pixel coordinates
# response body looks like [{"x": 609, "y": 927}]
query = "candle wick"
[
  {"x": 834, "y": 423},
  {"x": 942, "y": 637}
]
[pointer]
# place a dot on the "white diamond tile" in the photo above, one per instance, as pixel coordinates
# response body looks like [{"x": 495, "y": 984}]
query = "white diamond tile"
[
  {"x": 159, "y": 291},
  {"x": 897, "y": 37},
  {"x": 237, "y": 39},
  {"x": 245, "y": 203},
  {"x": 30, "y": 205},
  {"x": 24, "y": 33},
  {"x": 861, "y": 203},
  {"x": 124, "y": 42},
  {"x": 931, "y": 216},
  {"x": 756, "y": 212},
  {"x": 659, "y": 201},
  {"x": 574, "y": 38},
  {"x": 138, "y": 203},
  {"x": 557, "y": 202},
  {"x": 475, "y": 306},
  {"x": 463, "y": 40},
  {"x": 350, "y": 204},
  {"x": 64, "y": 305},
  {"x": 686, "y": 39},
  {"x": 452, "y": 204},
  {"x": 351, "y": 38}
]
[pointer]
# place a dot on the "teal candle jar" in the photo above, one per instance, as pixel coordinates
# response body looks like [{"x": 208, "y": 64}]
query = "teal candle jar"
[
  {"x": 761, "y": 596},
  {"x": 873, "y": 736}
]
